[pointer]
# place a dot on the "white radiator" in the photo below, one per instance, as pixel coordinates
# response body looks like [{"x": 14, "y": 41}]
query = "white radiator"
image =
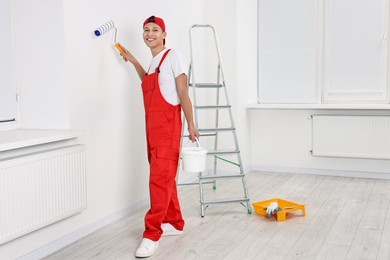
[
  {"x": 39, "y": 189},
  {"x": 351, "y": 136}
]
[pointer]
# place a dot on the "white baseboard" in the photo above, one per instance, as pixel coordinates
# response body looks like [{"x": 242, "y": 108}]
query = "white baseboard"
[
  {"x": 355, "y": 174},
  {"x": 82, "y": 232}
]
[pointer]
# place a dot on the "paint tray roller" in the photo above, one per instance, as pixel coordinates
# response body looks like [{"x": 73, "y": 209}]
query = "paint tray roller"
[{"x": 105, "y": 28}]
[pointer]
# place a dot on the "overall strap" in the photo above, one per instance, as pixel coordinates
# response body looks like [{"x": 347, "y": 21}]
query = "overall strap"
[{"x": 162, "y": 59}]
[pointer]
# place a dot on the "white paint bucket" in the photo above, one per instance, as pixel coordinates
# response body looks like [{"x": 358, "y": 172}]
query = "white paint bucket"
[{"x": 194, "y": 158}]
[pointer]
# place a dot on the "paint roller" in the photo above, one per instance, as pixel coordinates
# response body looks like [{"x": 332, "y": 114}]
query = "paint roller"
[{"x": 105, "y": 28}]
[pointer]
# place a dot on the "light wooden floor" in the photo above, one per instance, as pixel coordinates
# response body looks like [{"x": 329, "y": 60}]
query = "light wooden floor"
[{"x": 347, "y": 218}]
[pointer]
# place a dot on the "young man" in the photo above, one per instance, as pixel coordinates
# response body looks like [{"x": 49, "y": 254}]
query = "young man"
[{"x": 165, "y": 93}]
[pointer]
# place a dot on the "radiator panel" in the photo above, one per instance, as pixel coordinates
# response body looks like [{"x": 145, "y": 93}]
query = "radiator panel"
[
  {"x": 351, "y": 136},
  {"x": 39, "y": 189}
]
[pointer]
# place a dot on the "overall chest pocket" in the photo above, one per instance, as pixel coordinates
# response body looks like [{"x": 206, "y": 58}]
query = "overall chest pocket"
[{"x": 149, "y": 84}]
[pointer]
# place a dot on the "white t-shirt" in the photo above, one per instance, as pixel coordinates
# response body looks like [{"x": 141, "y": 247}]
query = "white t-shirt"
[{"x": 173, "y": 65}]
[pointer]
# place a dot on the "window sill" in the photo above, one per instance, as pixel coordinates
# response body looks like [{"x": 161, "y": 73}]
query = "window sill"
[
  {"x": 321, "y": 106},
  {"x": 21, "y": 138}
]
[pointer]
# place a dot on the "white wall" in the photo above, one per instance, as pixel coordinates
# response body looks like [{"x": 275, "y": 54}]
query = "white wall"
[
  {"x": 246, "y": 70},
  {"x": 281, "y": 141}
]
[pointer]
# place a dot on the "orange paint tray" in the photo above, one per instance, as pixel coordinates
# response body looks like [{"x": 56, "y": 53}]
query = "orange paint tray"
[{"x": 286, "y": 206}]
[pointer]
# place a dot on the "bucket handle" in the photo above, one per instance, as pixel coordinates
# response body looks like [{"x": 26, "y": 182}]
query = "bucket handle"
[{"x": 197, "y": 142}]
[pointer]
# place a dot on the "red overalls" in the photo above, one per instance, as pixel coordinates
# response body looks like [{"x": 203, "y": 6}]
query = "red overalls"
[{"x": 163, "y": 132}]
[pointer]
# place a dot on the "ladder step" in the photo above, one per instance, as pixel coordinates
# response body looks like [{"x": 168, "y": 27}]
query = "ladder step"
[
  {"x": 204, "y": 134},
  {"x": 206, "y": 85},
  {"x": 213, "y": 107},
  {"x": 215, "y": 152},
  {"x": 208, "y": 134},
  {"x": 211, "y": 177},
  {"x": 224, "y": 201},
  {"x": 194, "y": 183},
  {"x": 216, "y": 129}
]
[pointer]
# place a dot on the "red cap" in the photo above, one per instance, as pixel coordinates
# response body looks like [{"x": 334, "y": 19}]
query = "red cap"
[{"x": 156, "y": 20}]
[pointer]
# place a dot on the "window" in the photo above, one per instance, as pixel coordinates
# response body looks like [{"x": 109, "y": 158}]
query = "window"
[
  {"x": 321, "y": 52},
  {"x": 7, "y": 73}
]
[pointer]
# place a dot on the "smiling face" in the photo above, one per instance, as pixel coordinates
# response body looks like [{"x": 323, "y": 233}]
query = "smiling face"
[{"x": 153, "y": 36}]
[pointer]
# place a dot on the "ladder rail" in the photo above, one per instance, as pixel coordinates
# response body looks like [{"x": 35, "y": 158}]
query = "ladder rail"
[
  {"x": 216, "y": 126},
  {"x": 191, "y": 75},
  {"x": 193, "y": 90}
]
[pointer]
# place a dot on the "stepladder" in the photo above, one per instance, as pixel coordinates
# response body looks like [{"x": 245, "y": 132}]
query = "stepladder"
[{"x": 213, "y": 118}]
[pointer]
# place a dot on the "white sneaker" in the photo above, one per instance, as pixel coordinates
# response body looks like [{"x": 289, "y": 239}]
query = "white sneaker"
[
  {"x": 147, "y": 248},
  {"x": 169, "y": 230}
]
